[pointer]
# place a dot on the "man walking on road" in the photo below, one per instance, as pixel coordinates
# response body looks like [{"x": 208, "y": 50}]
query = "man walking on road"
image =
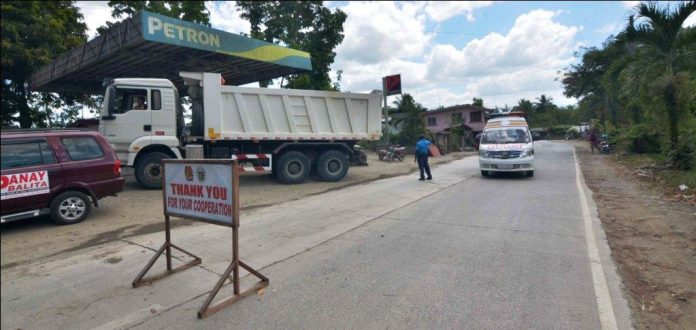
[{"x": 422, "y": 157}]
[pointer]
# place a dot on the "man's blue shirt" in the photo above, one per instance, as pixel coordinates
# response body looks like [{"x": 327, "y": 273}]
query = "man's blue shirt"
[{"x": 422, "y": 147}]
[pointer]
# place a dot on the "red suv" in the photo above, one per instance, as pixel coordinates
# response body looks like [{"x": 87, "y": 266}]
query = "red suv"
[{"x": 61, "y": 173}]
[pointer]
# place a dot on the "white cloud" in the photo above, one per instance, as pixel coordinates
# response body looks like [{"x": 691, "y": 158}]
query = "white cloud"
[
  {"x": 225, "y": 16},
  {"x": 380, "y": 31},
  {"x": 440, "y": 11},
  {"x": 630, "y": 4},
  {"x": 95, "y": 14},
  {"x": 607, "y": 29},
  {"x": 535, "y": 40}
]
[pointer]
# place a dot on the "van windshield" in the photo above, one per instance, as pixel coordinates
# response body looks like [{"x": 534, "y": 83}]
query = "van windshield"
[{"x": 513, "y": 135}]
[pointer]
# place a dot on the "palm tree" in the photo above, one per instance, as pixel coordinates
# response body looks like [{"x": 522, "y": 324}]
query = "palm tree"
[
  {"x": 664, "y": 51},
  {"x": 544, "y": 103}
]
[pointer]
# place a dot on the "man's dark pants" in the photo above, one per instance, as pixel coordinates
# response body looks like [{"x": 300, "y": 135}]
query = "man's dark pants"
[{"x": 423, "y": 166}]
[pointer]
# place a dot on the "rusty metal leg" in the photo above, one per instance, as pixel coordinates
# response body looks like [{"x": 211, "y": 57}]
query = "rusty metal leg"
[
  {"x": 235, "y": 258},
  {"x": 168, "y": 242},
  {"x": 136, "y": 281},
  {"x": 139, "y": 280}
]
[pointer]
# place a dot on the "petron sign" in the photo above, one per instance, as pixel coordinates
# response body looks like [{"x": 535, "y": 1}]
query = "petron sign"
[
  {"x": 208, "y": 191},
  {"x": 173, "y": 31}
]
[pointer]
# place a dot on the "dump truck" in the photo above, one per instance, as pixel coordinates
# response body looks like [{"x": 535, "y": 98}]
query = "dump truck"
[{"x": 289, "y": 133}]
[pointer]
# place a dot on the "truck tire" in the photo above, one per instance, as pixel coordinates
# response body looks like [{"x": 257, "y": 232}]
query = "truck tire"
[
  {"x": 148, "y": 170},
  {"x": 70, "y": 207},
  {"x": 484, "y": 173},
  {"x": 293, "y": 167},
  {"x": 332, "y": 165},
  {"x": 530, "y": 173}
]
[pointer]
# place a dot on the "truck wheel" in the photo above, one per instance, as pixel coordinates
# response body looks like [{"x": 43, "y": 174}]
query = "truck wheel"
[
  {"x": 293, "y": 167},
  {"x": 332, "y": 165},
  {"x": 484, "y": 173},
  {"x": 530, "y": 173},
  {"x": 148, "y": 170},
  {"x": 70, "y": 207}
]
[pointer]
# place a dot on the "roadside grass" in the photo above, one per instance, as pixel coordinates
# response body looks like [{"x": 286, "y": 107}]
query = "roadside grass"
[{"x": 654, "y": 165}]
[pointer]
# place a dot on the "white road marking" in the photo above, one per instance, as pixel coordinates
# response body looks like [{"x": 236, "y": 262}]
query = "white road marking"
[{"x": 607, "y": 318}]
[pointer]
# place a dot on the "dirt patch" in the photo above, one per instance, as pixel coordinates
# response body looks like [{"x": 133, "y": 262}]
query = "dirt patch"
[
  {"x": 137, "y": 212},
  {"x": 652, "y": 237}
]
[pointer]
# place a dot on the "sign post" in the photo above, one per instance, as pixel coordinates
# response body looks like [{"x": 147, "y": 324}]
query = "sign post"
[
  {"x": 207, "y": 191},
  {"x": 390, "y": 85}
]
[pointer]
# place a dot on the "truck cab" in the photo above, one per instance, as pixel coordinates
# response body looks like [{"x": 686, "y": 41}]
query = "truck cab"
[{"x": 140, "y": 114}]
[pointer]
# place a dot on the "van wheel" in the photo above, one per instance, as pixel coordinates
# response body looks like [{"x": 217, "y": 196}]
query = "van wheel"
[
  {"x": 530, "y": 173},
  {"x": 292, "y": 167},
  {"x": 70, "y": 207},
  {"x": 148, "y": 171},
  {"x": 484, "y": 173},
  {"x": 332, "y": 165}
]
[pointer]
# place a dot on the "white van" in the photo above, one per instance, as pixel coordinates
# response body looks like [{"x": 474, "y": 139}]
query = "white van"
[{"x": 506, "y": 146}]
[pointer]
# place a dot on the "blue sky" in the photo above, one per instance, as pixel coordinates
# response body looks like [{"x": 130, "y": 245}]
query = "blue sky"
[{"x": 449, "y": 52}]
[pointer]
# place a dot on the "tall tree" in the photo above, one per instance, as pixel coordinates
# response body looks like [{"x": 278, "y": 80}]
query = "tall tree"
[
  {"x": 303, "y": 25},
  {"x": 544, "y": 104},
  {"x": 413, "y": 122},
  {"x": 192, "y": 11},
  {"x": 524, "y": 105},
  {"x": 477, "y": 101},
  {"x": 33, "y": 33},
  {"x": 665, "y": 53}
]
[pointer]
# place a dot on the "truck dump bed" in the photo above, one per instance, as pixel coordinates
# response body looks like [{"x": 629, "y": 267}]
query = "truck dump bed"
[{"x": 240, "y": 113}]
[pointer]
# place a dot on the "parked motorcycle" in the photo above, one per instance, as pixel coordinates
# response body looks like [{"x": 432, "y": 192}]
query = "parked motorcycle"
[
  {"x": 392, "y": 153},
  {"x": 604, "y": 147}
]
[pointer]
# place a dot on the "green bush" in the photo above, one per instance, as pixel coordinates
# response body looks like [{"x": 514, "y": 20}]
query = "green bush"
[
  {"x": 559, "y": 130},
  {"x": 683, "y": 157},
  {"x": 572, "y": 133},
  {"x": 641, "y": 139}
]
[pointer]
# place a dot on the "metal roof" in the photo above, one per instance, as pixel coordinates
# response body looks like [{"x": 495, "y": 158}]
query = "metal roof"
[{"x": 150, "y": 45}]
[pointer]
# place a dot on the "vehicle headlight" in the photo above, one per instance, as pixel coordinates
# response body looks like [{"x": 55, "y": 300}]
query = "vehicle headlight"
[
  {"x": 483, "y": 153},
  {"x": 527, "y": 153}
]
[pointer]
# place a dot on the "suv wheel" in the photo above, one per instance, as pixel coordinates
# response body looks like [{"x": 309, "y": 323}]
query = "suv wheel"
[
  {"x": 293, "y": 167},
  {"x": 70, "y": 207},
  {"x": 148, "y": 171},
  {"x": 332, "y": 165}
]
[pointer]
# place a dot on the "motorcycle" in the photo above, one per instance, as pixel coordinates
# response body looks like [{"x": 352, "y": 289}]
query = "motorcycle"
[
  {"x": 392, "y": 153},
  {"x": 604, "y": 147}
]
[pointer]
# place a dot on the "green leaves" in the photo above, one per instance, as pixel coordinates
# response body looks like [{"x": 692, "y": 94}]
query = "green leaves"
[
  {"x": 33, "y": 33},
  {"x": 303, "y": 25}
]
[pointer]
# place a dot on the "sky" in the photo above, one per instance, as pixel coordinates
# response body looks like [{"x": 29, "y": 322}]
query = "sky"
[{"x": 450, "y": 52}]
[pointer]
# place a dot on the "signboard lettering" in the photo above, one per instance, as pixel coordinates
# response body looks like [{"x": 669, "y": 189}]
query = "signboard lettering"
[
  {"x": 24, "y": 184},
  {"x": 202, "y": 191},
  {"x": 183, "y": 33},
  {"x": 168, "y": 30}
]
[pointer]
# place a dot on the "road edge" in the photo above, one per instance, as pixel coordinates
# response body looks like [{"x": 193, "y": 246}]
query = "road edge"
[{"x": 609, "y": 291}]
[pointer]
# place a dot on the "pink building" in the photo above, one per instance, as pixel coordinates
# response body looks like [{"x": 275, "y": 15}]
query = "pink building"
[{"x": 440, "y": 121}]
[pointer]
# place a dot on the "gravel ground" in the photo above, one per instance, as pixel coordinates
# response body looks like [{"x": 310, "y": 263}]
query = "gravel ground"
[
  {"x": 136, "y": 211},
  {"x": 652, "y": 237}
]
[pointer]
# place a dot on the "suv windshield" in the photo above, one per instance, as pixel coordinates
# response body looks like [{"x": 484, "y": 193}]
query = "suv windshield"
[{"x": 513, "y": 135}]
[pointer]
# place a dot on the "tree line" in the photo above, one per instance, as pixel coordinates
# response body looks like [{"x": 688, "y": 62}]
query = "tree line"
[{"x": 640, "y": 85}]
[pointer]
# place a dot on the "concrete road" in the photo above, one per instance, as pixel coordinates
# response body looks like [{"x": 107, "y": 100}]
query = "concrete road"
[{"x": 461, "y": 251}]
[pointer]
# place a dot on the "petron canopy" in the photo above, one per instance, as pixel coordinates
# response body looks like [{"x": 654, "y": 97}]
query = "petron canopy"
[{"x": 156, "y": 46}]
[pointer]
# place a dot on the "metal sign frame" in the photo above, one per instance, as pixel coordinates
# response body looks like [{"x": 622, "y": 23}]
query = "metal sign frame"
[{"x": 233, "y": 269}]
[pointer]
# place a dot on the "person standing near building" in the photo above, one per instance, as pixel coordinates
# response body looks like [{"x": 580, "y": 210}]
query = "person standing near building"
[{"x": 422, "y": 154}]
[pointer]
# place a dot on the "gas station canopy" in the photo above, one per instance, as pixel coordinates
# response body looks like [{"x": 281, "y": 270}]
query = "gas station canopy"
[{"x": 155, "y": 46}]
